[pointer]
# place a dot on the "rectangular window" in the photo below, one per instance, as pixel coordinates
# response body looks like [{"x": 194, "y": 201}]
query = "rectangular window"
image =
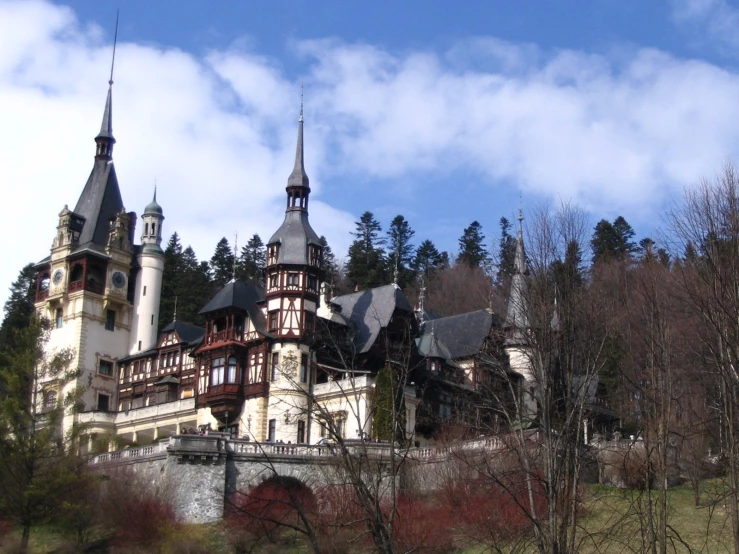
[
  {"x": 103, "y": 402},
  {"x": 312, "y": 283},
  {"x": 304, "y": 368},
  {"x": 139, "y": 346},
  {"x": 144, "y": 291},
  {"x": 273, "y": 320},
  {"x": 293, "y": 279},
  {"x": 105, "y": 367},
  {"x": 324, "y": 431},
  {"x": 301, "y": 431},
  {"x": 110, "y": 320},
  {"x": 272, "y": 430},
  {"x": 340, "y": 428},
  {"x": 231, "y": 376},
  {"x": 152, "y": 319},
  {"x": 59, "y": 318},
  {"x": 310, "y": 321},
  {"x": 275, "y": 365},
  {"x": 216, "y": 372},
  {"x": 274, "y": 280}
]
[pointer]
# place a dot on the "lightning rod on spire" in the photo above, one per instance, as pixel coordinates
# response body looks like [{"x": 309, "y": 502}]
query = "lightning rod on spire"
[{"x": 115, "y": 41}]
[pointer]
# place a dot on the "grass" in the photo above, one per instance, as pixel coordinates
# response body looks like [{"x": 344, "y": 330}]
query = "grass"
[{"x": 614, "y": 521}]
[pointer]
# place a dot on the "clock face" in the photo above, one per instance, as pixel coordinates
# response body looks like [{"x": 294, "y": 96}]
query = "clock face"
[
  {"x": 119, "y": 280},
  {"x": 58, "y": 276}
]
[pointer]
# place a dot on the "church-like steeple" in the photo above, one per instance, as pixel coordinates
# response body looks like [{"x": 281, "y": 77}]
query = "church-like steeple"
[
  {"x": 516, "y": 315},
  {"x": 295, "y": 242},
  {"x": 100, "y": 201},
  {"x": 298, "y": 184}
]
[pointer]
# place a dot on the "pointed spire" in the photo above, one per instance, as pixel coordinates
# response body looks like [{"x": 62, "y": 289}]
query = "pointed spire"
[
  {"x": 105, "y": 139},
  {"x": 520, "y": 259},
  {"x": 516, "y": 313},
  {"x": 298, "y": 177}
]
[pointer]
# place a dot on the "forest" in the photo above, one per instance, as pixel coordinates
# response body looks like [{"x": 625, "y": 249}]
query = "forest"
[{"x": 654, "y": 320}]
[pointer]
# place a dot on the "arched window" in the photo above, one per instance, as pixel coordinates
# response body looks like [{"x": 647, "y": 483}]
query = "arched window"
[
  {"x": 153, "y": 229},
  {"x": 146, "y": 229},
  {"x": 216, "y": 372},
  {"x": 50, "y": 400},
  {"x": 231, "y": 377}
]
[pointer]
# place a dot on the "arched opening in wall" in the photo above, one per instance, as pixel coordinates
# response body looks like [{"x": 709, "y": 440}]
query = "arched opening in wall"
[
  {"x": 274, "y": 505},
  {"x": 95, "y": 280},
  {"x": 76, "y": 273}
]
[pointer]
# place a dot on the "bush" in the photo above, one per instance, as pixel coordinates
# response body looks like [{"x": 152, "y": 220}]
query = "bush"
[
  {"x": 422, "y": 525},
  {"x": 135, "y": 512}
]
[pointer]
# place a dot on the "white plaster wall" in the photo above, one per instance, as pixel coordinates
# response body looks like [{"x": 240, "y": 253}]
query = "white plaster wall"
[{"x": 150, "y": 277}]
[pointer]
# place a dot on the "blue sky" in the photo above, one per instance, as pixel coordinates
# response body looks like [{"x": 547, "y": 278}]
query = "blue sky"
[{"x": 445, "y": 112}]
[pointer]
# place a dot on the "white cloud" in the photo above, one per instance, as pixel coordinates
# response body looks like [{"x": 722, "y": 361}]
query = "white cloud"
[
  {"x": 715, "y": 20},
  {"x": 218, "y": 131}
]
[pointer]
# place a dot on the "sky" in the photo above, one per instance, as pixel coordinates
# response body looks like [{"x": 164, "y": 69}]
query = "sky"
[{"x": 444, "y": 112}]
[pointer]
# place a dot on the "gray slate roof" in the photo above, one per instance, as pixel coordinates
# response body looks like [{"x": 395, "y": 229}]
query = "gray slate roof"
[
  {"x": 243, "y": 296},
  {"x": 190, "y": 334},
  {"x": 294, "y": 236},
  {"x": 370, "y": 311},
  {"x": 458, "y": 336},
  {"x": 99, "y": 202}
]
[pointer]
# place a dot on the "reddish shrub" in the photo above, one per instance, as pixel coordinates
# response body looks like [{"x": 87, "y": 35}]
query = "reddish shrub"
[
  {"x": 138, "y": 513},
  {"x": 422, "y": 525},
  {"x": 494, "y": 510},
  {"x": 5, "y": 527}
]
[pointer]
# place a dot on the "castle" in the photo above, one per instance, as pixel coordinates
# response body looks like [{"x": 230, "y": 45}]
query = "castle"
[{"x": 282, "y": 362}]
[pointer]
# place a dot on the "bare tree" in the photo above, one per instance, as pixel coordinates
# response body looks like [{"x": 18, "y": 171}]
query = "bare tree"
[{"x": 705, "y": 226}]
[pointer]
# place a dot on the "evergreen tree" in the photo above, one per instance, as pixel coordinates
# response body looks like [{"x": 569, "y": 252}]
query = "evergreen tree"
[
  {"x": 472, "y": 251},
  {"x": 427, "y": 260},
  {"x": 506, "y": 252},
  {"x": 222, "y": 263},
  {"x": 37, "y": 470},
  {"x": 253, "y": 261},
  {"x": 400, "y": 250},
  {"x": 367, "y": 266},
  {"x": 612, "y": 240},
  {"x": 568, "y": 273},
  {"x": 194, "y": 289},
  {"x": 388, "y": 422},
  {"x": 170, "y": 279},
  {"x": 330, "y": 267},
  {"x": 19, "y": 307}
]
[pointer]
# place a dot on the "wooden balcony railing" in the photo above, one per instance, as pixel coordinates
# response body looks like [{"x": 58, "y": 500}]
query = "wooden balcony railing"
[
  {"x": 91, "y": 286},
  {"x": 42, "y": 295}
]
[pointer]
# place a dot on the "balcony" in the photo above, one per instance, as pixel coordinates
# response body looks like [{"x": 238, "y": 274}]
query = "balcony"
[
  {"x": 136, "y": 415},
  {"x": 91, "y": 286},
  {"x": 42, "y": 295},
  {"x": 343, "y": 386}
]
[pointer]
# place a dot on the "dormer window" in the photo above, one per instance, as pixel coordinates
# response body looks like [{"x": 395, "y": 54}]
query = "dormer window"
[
  {"x": 434, "y": 365},
  {"x": 314, "y": 254},
  {"x": 272, "y": 254}
]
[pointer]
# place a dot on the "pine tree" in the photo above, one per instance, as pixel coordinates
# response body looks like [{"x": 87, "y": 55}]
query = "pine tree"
[
  {"x": 193, "y": 289},
  {"x": 568, "y": 273},
  {"x": 330, "y": 267},
  {"x": 19, "y": 307},
  {"x": 427, "y": 260},
  {"x": 400, "y": 250},
  {"x": 506, "y": 252},
  {"x": 612, "y": 240},
  {"x": 222, "y": 263},
  {"x": 37, "y": 469},
  {"x": 252, "y": 261},
  {"x": 172, "y": 273},
  {"x": 472, "y": 251},
  {"x": 366, "y": 265}
]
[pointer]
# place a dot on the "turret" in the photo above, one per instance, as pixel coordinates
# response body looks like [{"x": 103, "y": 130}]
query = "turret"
[{"x": 148, "y": 290}]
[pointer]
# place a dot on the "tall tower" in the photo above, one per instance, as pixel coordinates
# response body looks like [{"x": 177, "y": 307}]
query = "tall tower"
[
  {"x": 83, "y": 286},
  {"x": 517, "y": 326},
  {"x": 293, "y": 279},
  {"x": 148, "y": 280}
]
